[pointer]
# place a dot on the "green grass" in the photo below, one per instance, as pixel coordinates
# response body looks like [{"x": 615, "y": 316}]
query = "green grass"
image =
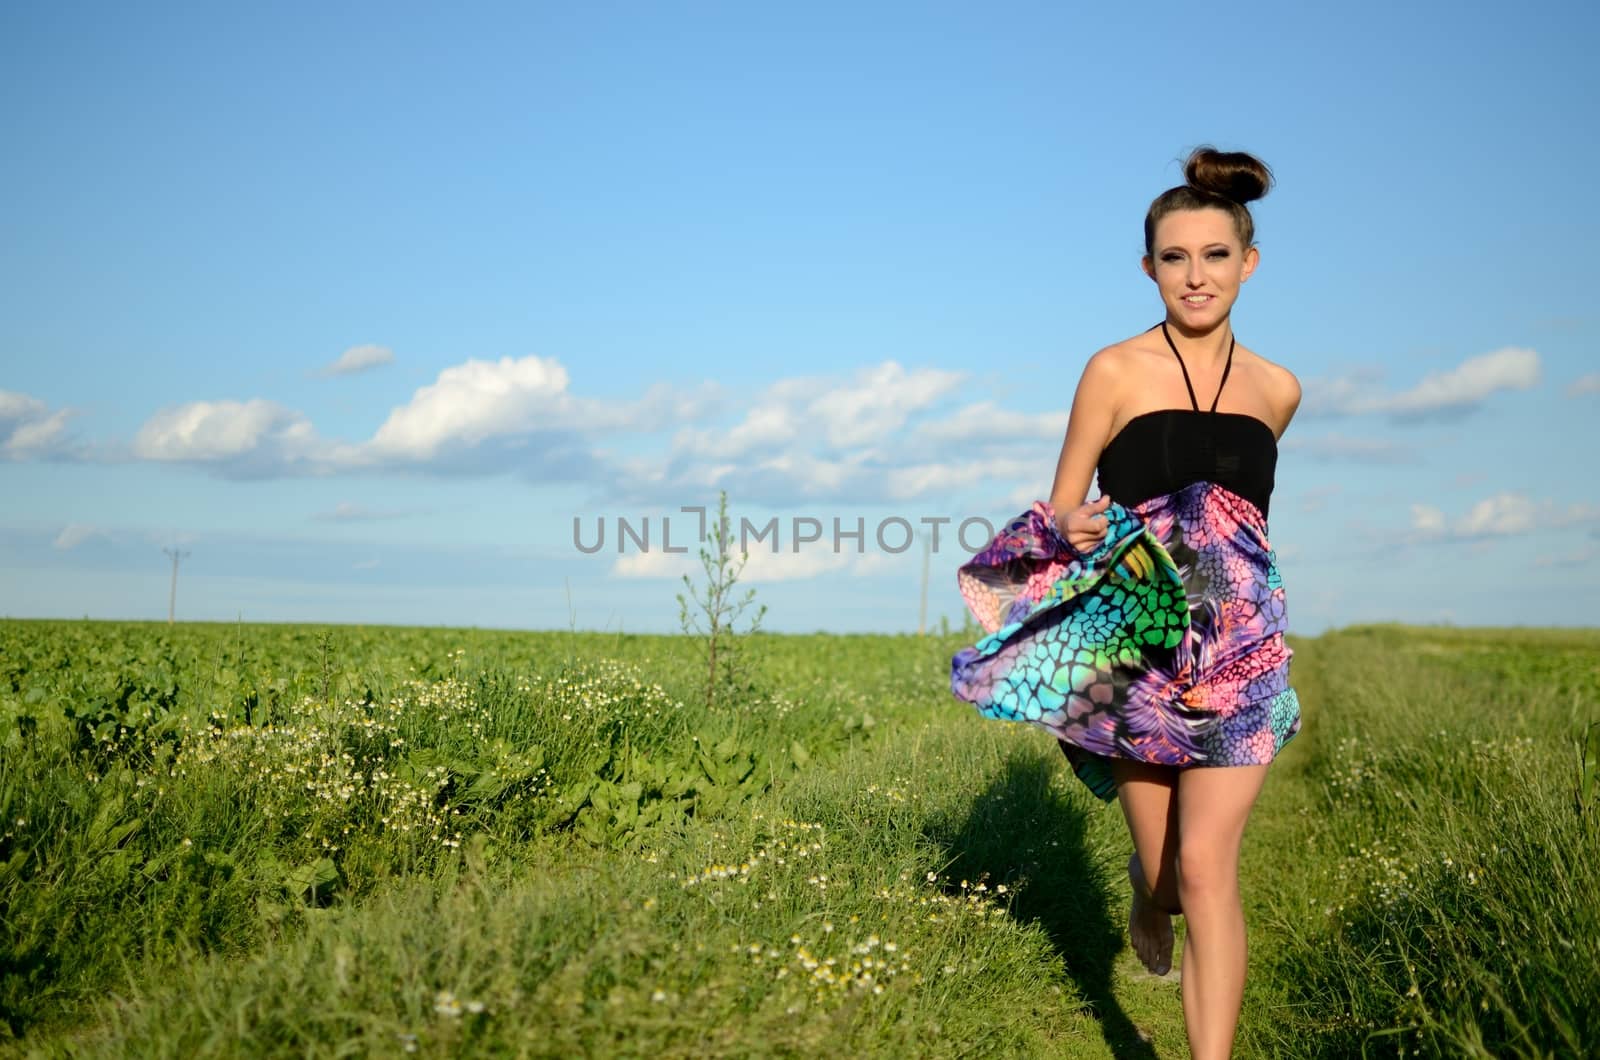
[{"x": 318, "y": 842}]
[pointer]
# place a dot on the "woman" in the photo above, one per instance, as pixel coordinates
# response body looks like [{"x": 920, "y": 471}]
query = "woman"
[{"x": 1145, "y": 629}]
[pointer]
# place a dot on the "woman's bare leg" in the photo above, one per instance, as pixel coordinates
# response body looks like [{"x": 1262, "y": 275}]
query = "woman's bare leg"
[
  {"x": 1213, "y": 804},
  {"x": 1148, "y": 797}
]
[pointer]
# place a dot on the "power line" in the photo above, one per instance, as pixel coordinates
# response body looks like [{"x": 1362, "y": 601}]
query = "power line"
[
  {"x": 172, "y": 598},
  {"x": 922, "y": 609}
]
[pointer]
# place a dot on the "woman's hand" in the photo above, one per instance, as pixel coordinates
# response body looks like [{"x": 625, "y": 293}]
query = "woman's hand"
[{"x": 1085, "y": 526}]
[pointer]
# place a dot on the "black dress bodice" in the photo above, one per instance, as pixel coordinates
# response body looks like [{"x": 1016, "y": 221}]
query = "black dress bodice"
[{"x": 1163, "y": 451}]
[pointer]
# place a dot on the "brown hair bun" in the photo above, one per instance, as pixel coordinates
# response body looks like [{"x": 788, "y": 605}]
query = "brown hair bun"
[
  {"x": 1222, "y": 180},
  {"x": 1231, "y": 174}
]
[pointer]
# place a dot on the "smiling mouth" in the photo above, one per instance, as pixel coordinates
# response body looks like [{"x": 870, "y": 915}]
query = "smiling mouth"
[{"x": 1197, "y": 299}]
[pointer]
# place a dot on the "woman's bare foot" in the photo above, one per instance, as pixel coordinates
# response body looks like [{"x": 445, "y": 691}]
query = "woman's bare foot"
[{"x": 1149, "y": 926}]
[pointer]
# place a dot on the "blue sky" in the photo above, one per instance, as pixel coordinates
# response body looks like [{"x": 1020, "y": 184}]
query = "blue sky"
[{"x": 362, "y": 305}]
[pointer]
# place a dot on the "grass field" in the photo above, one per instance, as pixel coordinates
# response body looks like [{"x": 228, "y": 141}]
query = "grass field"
[{"x": 364, "y": 841}]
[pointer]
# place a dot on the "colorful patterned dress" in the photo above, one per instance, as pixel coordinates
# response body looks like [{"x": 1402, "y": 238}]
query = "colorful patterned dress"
[{"x": 1165, "y": 643}]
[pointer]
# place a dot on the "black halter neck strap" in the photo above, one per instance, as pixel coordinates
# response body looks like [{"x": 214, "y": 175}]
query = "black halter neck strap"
[{"x": 1225, "y": 368}]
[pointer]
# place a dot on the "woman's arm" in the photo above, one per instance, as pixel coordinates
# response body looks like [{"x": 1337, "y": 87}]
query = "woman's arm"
[
  {"x": 1288, "y": 399},
  {"x": 1088, "y": 430}
]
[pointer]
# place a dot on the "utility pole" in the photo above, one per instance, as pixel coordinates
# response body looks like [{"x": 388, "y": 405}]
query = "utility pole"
[
  {"x": 172, "y": 598},
  {"x": 922, "y": 610}
]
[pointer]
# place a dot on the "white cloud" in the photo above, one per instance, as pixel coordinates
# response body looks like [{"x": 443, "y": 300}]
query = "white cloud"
[
  {"x": 1316, "y": 498},
  {"x": 483, "y": 416},
  {"x": 812, "y": 476},
  {"x": 19, "y": 408},
  {"x": 836, "y": 414},
  {"x": 28, "y": 429},
  {"x": 864, "y": 477},
  {"x": 518, "y": 405},
  {"x": 1022, "y": 497},
  {"x": 1339, "y": 396},
  {"x": 74, "y": 534},
  {"x": 1575, "y": 514},
  {"x": 350, "y": 512},
  {"x": 876, "y": 405},
  {"x": 783, "y": 566},
  {"x": 934, "y": 479},
  {"x": 879, "y": 435},
  {"x": 875, "y": 563},
  {"x": 1458, "y": 390},
  {"x": 876, "y": 435},
  {"x": 655, "y": 564},
  {"x": 767, "y": 425},
  {"x": 1427, "y": 519},
  {"x": 1362, "y": 450},
  {"x": 1505, "y": 514},
  {"x": 663, "y": 407},
  {"x": 1583, "y": 556},
  {"x": 359, "y": 359},
  {"x": 984, "y": 421},
  {"x": 255, "y": 434},
  {"x": 475, "y": 401},
  {"x": 785, "y": 478},
  {"x": 38, "y": 435},
  {"x": 1468, "y": 384},
  {"x": 1584, "y": 384},
  {"x": 764, "y": 566},
  {"x": 1498, "y": 516}
]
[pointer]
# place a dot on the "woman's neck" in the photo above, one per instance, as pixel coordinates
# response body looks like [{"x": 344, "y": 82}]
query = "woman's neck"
[{"x": 1203, "y": 349}]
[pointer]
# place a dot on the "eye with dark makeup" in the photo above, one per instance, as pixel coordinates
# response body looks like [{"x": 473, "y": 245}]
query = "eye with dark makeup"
[{"x": 1173, "y": 256}]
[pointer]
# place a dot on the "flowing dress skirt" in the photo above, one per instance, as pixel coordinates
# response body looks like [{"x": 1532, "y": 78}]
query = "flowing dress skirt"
[{"x": 1162, "y": 645}]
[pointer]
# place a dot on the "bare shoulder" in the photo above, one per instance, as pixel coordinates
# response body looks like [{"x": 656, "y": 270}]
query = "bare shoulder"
[
  {"x": 1109, "y": 379},
  {"x": 1101, "y": 372},
  {"x": 1278, "y": 385},
  {"x": 1116, "y": 384},
  {"x": 1116, "y": 366}
]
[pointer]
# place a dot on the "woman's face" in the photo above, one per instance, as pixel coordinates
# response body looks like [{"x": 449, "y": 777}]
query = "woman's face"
[{"x": 1198, "y": 265}]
